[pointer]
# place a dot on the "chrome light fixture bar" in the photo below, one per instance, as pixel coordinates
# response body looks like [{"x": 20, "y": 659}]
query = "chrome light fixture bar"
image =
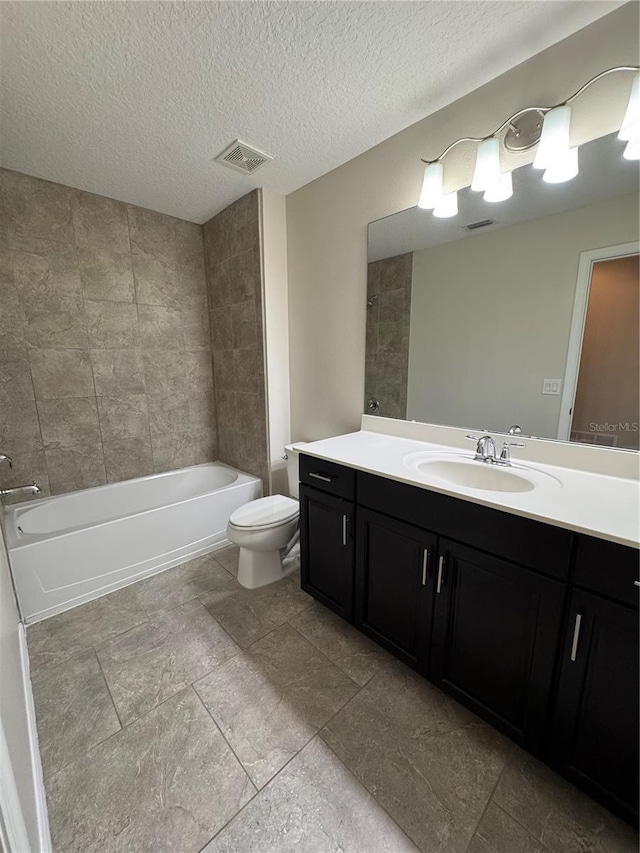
[{"x": 547, "y": 127}]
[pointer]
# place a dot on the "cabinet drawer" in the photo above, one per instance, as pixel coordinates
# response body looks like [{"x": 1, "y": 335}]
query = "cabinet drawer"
[
  {"x": 608, "y": 569},
  {"x": 328, "y": 477},
  {"x": 511, "y": 537}
]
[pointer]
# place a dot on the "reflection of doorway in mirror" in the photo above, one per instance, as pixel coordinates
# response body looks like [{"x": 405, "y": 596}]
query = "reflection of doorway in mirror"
[{"x": 606, "y": 368}]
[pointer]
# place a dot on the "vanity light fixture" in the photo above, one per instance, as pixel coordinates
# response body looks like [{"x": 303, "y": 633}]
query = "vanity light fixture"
[
  {"x": 555, "y": 154},
  {"x": 547, "y": 127},
  {"x": 630, "y": 129},
  {"x": 432, "y": 186},
  {"x": 501, "y": 190},
  {"x": 487, "y": 177},
  {"x": 447, "y": 206}
]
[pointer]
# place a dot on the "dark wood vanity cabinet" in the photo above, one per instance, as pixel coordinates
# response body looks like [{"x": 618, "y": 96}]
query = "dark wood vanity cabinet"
[
  {"x": 594, "y": 740},
  {"x": 495, "y": 633},
  {"x": 394, "y": 583},
  {"x": 529, "y": 625},
  {"x": 327, "y": 514},
  {"x": 594, "y": 735},
  {"x": 327, "y": 549}
]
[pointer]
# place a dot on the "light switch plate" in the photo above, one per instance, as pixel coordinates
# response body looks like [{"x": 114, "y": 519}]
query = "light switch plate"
[{"x": 551, "y": 386}]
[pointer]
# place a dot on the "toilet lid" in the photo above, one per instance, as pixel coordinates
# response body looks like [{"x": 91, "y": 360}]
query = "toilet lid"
[{"x": 265, "y": 512}]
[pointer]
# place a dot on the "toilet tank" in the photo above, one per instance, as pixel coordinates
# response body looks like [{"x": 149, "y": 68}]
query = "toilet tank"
[{"x": 293, "y": 477}]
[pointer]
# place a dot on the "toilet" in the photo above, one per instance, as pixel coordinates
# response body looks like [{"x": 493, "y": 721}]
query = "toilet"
[{"x": 264, "y": 528}]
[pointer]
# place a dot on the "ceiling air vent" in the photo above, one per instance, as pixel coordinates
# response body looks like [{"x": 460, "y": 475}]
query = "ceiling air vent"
[
  {"x": 482, "y": 223},
  {"x": 243, "y": 157}
]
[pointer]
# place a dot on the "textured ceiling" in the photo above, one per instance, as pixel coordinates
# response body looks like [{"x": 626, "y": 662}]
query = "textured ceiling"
[{"x": 134, "y": 99}]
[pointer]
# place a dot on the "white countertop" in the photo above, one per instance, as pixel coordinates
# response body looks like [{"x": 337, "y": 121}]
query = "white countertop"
[{"x": 596, "y": 504}]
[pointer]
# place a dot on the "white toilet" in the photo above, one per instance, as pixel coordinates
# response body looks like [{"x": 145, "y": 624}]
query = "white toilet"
[{"x": 264, "y": 528}]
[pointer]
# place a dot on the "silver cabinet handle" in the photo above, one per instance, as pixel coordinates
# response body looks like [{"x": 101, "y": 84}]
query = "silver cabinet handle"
[
  {"x": 440, "y": 570},
  {"x": 344, "y": 529},
  {"x": 636, "y": 583},
  {"x": 425, "y": 566},
  {"x": 321, "y": 477},
  {"x": 576, "y": 636}
]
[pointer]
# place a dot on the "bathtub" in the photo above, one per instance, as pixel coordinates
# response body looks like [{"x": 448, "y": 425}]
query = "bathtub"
[{"x": 69, "y": 549}]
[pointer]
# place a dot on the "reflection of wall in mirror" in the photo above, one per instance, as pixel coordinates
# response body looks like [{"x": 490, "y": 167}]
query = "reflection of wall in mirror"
[
  {"x": 491, "y": 315},
  {"x": 606, "y": 404},
  {"x": 387, "y": 347}
]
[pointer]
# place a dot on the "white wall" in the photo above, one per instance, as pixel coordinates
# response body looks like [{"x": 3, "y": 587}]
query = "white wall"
[
  {"x": 18, "y": 787},
  {"x": 276, "y": 311},
  {"x": 491, "y": 316},
  {"x": 327, "y": 220}
]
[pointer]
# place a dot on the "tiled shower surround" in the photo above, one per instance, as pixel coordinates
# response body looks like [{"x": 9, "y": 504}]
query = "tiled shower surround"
[
  {"x": 387, "y": 352},
  {"x": 232, "y": 250},
  {"x": 105, "y": 358}
]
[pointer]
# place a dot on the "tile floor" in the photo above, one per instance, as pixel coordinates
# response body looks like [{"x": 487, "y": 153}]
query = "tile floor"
[{"x": 188, "y": 714}]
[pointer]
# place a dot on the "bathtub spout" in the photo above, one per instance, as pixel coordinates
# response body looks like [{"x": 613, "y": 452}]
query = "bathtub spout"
[{"x": 32, "y": 489}]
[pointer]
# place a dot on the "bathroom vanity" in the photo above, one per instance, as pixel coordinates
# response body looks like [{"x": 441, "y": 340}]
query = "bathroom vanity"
[{"x": 530, "y": 623}]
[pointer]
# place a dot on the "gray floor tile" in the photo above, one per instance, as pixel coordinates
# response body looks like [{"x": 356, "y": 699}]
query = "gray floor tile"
[
  {"x": 270, "y": 700},
  {"x": 74, "y": 710},
  {"x": 354, "y": 653},
  {"x": 175, "y": 586},
  {"x": 167, "y": 783},
  {"x": 228, "y": 557},
  {"x": 153, "y": 661},
  {"x": 499, "y": 833},
  {"x": 248, "y": 614},
  {"x": 431, "y": 764},
  {"x": 314, "y": 806},
  {"x": 84, "y": 626},
  {"x": 559, "y": 815}
]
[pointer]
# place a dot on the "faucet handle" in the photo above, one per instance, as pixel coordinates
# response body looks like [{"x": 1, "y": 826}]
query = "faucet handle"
[{"x": 505, "y": 455}]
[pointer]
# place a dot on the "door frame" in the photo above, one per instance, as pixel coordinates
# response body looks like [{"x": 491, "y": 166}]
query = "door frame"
[{"x": 578, "y": 320}]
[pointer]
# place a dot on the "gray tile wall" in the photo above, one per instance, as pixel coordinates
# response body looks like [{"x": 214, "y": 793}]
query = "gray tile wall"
[
  {"x": 387, "y": 348},
  {"x": 232, "y": 250},
  {"x": 105, "y": 352}
]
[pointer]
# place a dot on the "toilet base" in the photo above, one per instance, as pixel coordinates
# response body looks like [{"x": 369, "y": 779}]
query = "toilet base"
[{"x": 259, "y": 568}]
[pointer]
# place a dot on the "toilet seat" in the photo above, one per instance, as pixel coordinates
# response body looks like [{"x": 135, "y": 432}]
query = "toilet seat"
[{"x": 265, "y": 512}]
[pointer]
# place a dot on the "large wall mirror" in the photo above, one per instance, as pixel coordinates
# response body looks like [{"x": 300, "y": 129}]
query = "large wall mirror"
[{"x": 521, "y": 312}]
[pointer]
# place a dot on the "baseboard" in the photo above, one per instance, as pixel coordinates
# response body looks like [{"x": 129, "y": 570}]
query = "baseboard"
[
  {"x": 44, "y": 833},
  {"x": 13, "y": 832}
]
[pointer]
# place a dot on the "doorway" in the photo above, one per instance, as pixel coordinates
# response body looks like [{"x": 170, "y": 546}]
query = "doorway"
[{"x": 602, "y": 381}]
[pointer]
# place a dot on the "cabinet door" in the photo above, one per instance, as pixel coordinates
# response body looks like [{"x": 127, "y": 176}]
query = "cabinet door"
[
  {"x": 326, "y": 549},
  {"x": 394, "y": 568},
  {"x": 496, "y": 630},
  {"x": 594, "y": 739}
]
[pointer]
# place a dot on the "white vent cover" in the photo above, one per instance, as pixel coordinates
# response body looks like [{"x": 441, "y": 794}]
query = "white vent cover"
[{"x": 242, "y": 157}]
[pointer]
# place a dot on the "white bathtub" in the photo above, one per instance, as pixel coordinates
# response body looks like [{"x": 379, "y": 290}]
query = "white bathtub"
[{"x": 69, "y": 549}]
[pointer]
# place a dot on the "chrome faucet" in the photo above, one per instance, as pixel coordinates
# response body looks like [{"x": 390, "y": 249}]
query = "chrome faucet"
[
  {"x": 516, "y": 429},
  {"x": 485, "y": 449},
  {"x": 7, "y": 459},
  {"x": 32, "y": 489}
]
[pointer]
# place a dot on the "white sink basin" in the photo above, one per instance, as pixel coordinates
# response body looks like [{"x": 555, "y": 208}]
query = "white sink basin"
[
  {"x": 456, "y": 469},
  {"x": 476, "y": 475}
]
